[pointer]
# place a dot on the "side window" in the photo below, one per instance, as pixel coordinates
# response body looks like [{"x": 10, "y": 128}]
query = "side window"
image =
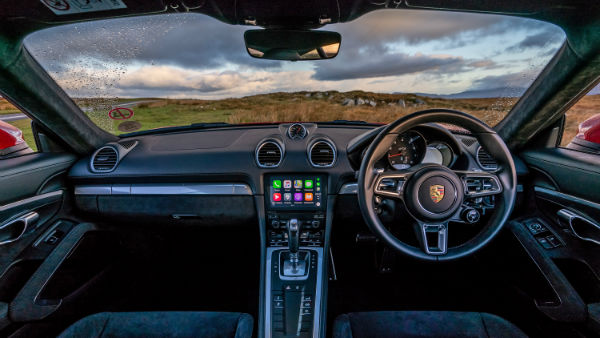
[
  {"x": 16, "y": 137},
  {"x": 582, "y": 124}
]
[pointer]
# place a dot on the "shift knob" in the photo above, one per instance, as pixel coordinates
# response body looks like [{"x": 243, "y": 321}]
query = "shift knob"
[{"x": 293, "y": 235}]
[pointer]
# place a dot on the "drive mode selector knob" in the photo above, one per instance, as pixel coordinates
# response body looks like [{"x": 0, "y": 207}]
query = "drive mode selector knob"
[{"x": 471, "y": 215}]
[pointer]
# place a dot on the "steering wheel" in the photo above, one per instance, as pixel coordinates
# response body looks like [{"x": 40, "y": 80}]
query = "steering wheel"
[{"x": 433, "y": 194}]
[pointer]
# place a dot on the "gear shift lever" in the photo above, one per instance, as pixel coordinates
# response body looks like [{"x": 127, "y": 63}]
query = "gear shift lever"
[
  {"x": 293, "y": 237},
  {"x": 292, "y": 265}
]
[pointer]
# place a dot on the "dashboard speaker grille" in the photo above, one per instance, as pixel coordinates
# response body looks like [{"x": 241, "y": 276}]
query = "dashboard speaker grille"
[
  {"x": 322, "y": 154},
  {"x": 486, "y": 161},
  {"x": 128, "y": 144},
  {"x": 269, "y": 154},
  {"x": 468, "y": 141},
  {"x": 106, "y": 159}
]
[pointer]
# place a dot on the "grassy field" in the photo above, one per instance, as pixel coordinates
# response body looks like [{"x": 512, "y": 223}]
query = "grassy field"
[
  {"x": 7, "y": 108},
  {"x": 300, "y": 106}
]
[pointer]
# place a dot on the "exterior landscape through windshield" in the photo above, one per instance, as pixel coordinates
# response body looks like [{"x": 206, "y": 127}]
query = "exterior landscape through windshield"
[{"x": 136, "y": 74}]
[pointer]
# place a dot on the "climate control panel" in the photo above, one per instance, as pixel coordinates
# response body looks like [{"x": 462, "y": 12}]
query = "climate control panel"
[{"x": 312, "y": 228}]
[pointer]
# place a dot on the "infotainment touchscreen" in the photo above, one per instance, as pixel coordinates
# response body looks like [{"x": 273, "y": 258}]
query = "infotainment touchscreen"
[{"x": 298, "y": 192}]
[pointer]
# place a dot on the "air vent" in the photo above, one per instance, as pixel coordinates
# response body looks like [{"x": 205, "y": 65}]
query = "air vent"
[
  {"x": 486, "y": 161},
  {"x": 269, "y": 154},
  {"x": 322, "y": 154},
  {"x": 128, "y": 144},
  {"x": 105, "y": 159}
]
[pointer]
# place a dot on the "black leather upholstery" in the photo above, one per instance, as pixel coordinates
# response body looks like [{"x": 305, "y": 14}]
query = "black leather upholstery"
[
  {"x": 423, "y": 324},
  {"x": 162, "y": 324}
]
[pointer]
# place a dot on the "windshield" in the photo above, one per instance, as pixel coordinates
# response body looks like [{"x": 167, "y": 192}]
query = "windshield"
[{"x": 141, "y": 73}]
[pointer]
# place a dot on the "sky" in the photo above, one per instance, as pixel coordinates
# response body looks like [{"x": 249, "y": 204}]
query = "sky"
[{"x": 387, "y": 51}]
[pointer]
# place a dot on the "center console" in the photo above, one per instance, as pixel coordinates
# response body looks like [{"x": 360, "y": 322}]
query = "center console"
[{"x": 296, "y": 213}]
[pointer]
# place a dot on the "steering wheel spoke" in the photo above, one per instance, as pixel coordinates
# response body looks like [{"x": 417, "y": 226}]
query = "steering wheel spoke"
[
  {"x": 433, "y": 237},
  {"x": 479, "y": 183},
  {"x": 390, "y": 184}
]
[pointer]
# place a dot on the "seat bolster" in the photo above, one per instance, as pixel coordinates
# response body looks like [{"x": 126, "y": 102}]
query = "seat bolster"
[
  {"x": 90, "y": 326},
  {"x": 163, "y": 324},
  {"x": 392, "y": 324},
  {"x": 500, "y": 327},
  {"x": 341, "y": 327},
  {"x": 244, "y": 326}
]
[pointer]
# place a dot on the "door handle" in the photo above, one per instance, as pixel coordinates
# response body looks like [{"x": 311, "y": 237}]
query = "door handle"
[
  {"x": 14, "y": 229},
  {"x": 581, "y": 227}
]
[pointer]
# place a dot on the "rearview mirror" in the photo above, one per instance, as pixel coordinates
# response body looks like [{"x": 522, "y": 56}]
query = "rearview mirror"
[{"x": 292, "y": 45}]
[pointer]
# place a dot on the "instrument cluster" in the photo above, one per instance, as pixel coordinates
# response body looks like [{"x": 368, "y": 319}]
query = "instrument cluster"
[{"x": 412, "y": 147}]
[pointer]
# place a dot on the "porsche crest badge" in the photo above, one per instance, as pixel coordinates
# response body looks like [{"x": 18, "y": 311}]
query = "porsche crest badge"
[{"x": 436, "y": 192}]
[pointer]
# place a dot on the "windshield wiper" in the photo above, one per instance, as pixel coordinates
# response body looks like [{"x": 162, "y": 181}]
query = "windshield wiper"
[{"x": 193, "y": 126}]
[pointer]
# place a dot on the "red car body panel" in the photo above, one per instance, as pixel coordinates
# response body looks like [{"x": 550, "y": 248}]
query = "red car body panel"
[
  {"x": 10, "y": 135},
  {"x": 589, "y": 129}
]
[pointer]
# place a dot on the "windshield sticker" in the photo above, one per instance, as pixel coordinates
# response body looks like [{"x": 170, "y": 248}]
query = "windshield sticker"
[
  {"x": 129, "y": 126},
  {"x": 64, "y": 7},
  {"x": 120, "y": 113}
]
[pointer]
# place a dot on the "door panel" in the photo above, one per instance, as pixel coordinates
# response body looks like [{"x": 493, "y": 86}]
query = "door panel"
[
  {"x": 573, "y": 172},
  {"x": 32, "y": 192},
  {"x": 22, "y": 177},
  {"x": 566, "y": 186}
]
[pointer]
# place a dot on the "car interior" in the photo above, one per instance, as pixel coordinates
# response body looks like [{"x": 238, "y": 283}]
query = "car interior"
[{"x": 435, "y": 224}]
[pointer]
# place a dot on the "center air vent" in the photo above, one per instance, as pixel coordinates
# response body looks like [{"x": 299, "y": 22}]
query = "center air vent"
[
  {"x": 269, "y": 154},
  {"x": 322, "y": 154},
  {"x": 105, "y": 159},
  {"x": 485, "y": 160}
]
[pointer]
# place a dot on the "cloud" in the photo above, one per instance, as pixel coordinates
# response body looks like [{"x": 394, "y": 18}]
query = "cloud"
[
  {"x": 516, "y": 81},
  {"x": 540, "y": 40},
  {"x": 171, "y": 79},
  {"x": 411, "y": 26},
  {"x": 186, "y": 40},
  {"x": 194, "y": 55},
  {"x": 382, "y": 65},
  {"x": 362, "y": 65}
]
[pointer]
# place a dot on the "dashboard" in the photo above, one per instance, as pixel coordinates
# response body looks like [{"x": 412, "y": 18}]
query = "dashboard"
[{"x": 213, "y": 175}]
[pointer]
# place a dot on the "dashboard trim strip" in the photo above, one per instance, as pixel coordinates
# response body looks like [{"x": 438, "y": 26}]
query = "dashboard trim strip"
[{"x": 166, "y": 189}]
